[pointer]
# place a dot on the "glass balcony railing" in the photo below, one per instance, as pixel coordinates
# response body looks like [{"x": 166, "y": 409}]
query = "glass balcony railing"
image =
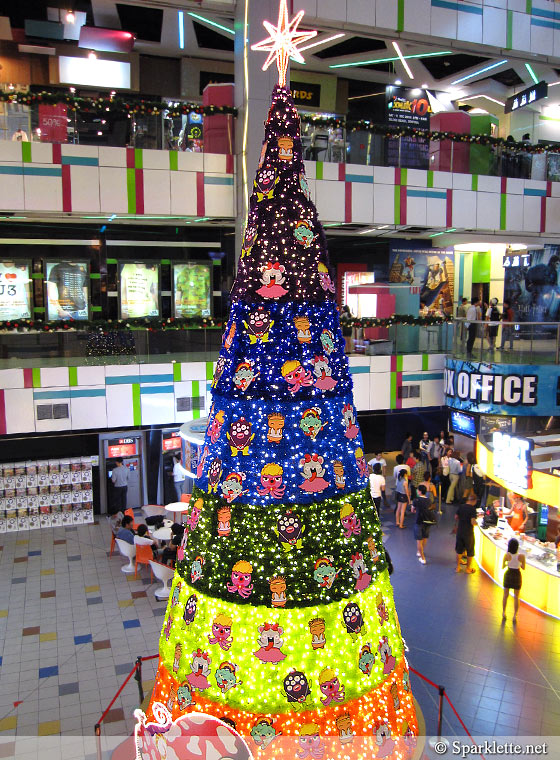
[
  {"x": 403, "y": 339},
  {"x": 514, "y": 342}
]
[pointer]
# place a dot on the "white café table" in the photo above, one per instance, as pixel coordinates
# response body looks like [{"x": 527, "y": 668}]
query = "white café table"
[{"x": 163, "y": 534}]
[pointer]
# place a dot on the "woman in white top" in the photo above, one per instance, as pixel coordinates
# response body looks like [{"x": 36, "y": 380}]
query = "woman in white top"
[
  {"x": 512, "y": 577},
  {"x": 377, "y": 487}
]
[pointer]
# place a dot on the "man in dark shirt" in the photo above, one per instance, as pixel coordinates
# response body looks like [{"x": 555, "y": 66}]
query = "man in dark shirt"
[{"x": 464, "y": 543}]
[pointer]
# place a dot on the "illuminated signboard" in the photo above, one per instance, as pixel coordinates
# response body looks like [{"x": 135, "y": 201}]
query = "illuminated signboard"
[
  {"x": 192, "y": 285},
  {"x": 171, "y": 442},
  {"x": 484, "y": 387},
  {"x": 122, "y": 447},
  {"x": 15, "y": 294},
  {"x": 512, "y": 460},
  {"x": 306, "y": 94},
  {"x": 139, "y": 290},
  {"x": 516, "y": 260},
  {"x": 407, "y": 106},
  {"x": 526, "y": 97},
  {"x": 67, "y": 290}
]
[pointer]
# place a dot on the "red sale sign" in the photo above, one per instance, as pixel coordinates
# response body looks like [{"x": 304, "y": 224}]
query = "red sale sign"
[{"x": 53, "y": 123}]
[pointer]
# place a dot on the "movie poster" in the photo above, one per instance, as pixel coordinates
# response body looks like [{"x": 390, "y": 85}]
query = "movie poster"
[
  {"x": 192, "y": 286},
  {"x": 431, "y": 270},
  {"x": 534, "y": 292},
  {"x": 15, "y": 294},
  {"x": 67, "y": 290},
  {"x": 139, "y": 290}
]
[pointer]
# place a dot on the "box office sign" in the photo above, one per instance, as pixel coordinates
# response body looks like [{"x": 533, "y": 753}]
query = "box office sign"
[{"x": 306, "y": 94}]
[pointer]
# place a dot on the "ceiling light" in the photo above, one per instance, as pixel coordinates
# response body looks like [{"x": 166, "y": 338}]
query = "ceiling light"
[
  {"x": 532, "y": 73},
  {"x": 486, "y": 97},
  {"x": 553, "y": 84},
  {"x": 480, "y": 71},
  {"x": 181, "y": 25},
  {"x": 70, "y": 17},
  {"x": 323, "y": 42},
  {"x": 424, "y": 86},
  {"x": 205, "y": 20},
  {"x": 92, "y": 56},
  {"x": 401, "y": 59},
  {"x": 398, "y": 81},
  {"x": 387, "y": 60}
]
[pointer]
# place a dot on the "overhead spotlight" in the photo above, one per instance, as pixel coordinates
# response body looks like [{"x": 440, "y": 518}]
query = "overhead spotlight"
[
  {"x": 398, "y": 81},
  {"x": 70, "y": 17},
  {"x": 92, "y": 56},
  {"x": 424, "y": 86}
]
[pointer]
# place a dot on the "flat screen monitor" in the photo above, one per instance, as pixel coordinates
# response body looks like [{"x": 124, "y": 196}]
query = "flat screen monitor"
[{"x": 463, "y": 424}]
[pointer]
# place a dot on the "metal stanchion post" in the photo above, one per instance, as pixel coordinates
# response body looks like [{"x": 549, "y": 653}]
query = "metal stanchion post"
[
  {"x": 98, "y": 742},
  {"x": 138, "y": 678},
  {"x": 441, "y": 690}
]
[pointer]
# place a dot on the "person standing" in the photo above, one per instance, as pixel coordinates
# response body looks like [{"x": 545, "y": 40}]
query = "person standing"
[
  {"x": 421, "y": 506},
  {"x": 377, "y": 488},
  {"x": 119, "y": 479},
  {"x": 378, "y": 459},
  {"x": 512, "y": 577},
  {"x": 444, "y": 475},
  {"x": 417, "y": 473},
  {"x": 403, "y": 496},
  {"x": 493, "y": 318},
  {"x": 455, "y": 470},
  {"x": 426, "y": 449},
  {"x": 346, "y": 320},
  {"x": 517, "y": 516},
  {"x": 507, "y": 326},
  {"x": 400, "y": 465},
  {"x": 470, "y": 324},
  {"x": 462, "y": 314},
  {"x": 437, "y": 453},
  {"x": 464, "y": 540},
  {"x": 406, "y": 448},
  {"x": 179, "y": 475}
]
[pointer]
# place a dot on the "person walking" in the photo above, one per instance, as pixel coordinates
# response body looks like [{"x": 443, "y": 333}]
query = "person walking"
[
  {"x": 455, "y": 470},
  {"x": 470, "y": 324},
  {"x": 507, "y": 326},
  {"x": 403, "y": 497},
  {"x": 512, "y": 577},
  {"x": 377, "y": 488},
  {"x": 464, "y": 539},
  {"x": 179, "y": 476},
  {"x": 493, "y": 319},
  {"x": 119, "y": 479},
  {"x": 421, "y": 506}
]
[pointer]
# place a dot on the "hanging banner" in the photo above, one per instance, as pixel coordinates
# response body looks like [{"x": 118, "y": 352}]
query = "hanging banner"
[
  {"x": 53, "y": 123},
  {"x": 15, "y": 296},
  {"x": 407, "y": 107}
]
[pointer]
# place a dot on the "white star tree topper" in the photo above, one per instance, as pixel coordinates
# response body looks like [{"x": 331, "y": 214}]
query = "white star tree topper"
[{"x": 283, "y": 42}]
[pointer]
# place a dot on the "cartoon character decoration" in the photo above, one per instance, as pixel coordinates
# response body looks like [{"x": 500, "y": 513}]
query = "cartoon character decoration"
[
  {"x": 171, "y": 698},
  {"x": 350, "y": 521},
  {"x": 249, "y": 239},
  {"x": 184, "y": 696},
  {"x": 386, "y": 655},
  {"x": 220, "y": 366},
  {"x": 190, "y": 610},
  {"x": 353, "y": 621},
  {"x": 194, "y": 515},
  {"x": 310, "y": 742},
  {"x": 290, "y": 530},
  {"x": 409, "y": 738},
  {"x": 366, "y": 659},
  {"x": 263, "y": 733},
  {"x": 277, "y": 587},
  {"x": 345, "y": 729},
  {"x": 244, "y": 375},
  {"x": 241, "y": 579},
  {"x": 324, "y": 572},
  {"x": 232, "y": 487},
  {"x": 276, "y": 422},
  {"x": 317, "y": 631},
  {"x": 304, "y": 186},
  {"x": 226, "y": 677},
  {"x": 266, "y": 180},
  {"x": 325, "y": 279},
  {"x": 331, "y": 687},
  {"x": 373, "y": 553},
  {"x": 167, "y": 627},
  {"x": 297, "y": 689},
  {"x": 303, "y": 233},
  {"x": 175, "y": 595},
  {"x": 406, "y": 680},
  {"x": 177, "y": 657},
  {"x": 200, "y": 670},
  {"x": 258, "y": 326},
  {"x": 361, "y": 463},
  {"x": 285, "y": 148},
  {"x": 302, "y": 326},
  {"x": 272, "y": 279},
  {"x": 271, "y": 481},
  {"x": 381, "y": 609},
  {"x": 181, "y": 551},
  {"x": 395, "y": 696},
  {"x": 214, "y": 475},
  {"x": 383, "y": 739},
  {"x": 215, "y": 426},
  {"x": 196, "y": 569},
  {"x": 327, "y": 341},
  {"x": 311, "y": 423},
  {"x": 221, "y": 632},
  {"x": 240, "y": 436},
  {"x": 296, "y": 376},
  {"x": 202, "y": 462},
  {"x": 338, "y": 469},
  {"x": 351, "y": 430},
  {"x": 358, "y": 565},
  {"x": 313, "y": 471},
  {"x": 323, "y": 373},
  {"x": 228, "y": 339},
  {"x": 224, "y": 521},
  {"x": 270, "y": 643},
  {"x": 263, "y": 153}
]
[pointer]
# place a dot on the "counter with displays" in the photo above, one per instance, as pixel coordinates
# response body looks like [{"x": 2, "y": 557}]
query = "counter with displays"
[{"x": 541, "y": 577}]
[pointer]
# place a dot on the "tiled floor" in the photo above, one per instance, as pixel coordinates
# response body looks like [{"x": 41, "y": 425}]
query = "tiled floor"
[{"x": 72, "y": 625}]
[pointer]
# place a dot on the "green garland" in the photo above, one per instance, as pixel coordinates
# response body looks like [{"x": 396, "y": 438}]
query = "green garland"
[
  {"x": 110, "y": 325},
  {"x": 399, "y": 319},
  {"x": 112, "y": 104}
]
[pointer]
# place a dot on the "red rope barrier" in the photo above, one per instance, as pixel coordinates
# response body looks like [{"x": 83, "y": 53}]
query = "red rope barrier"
[
  {"x": 129, "y": 676},
  {"x": 416, "y": 672},
  {"x": 151, "y": 657}
]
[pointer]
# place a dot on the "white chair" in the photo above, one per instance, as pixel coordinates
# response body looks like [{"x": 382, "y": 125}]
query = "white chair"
[
  {"x": 164, "y": 574},
  {"x": 129, "y": 552},
  {"x": 152, "y": 509}
]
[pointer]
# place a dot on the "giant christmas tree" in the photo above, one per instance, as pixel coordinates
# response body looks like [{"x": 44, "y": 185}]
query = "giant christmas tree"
[{"x": 281, "y": 617}]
